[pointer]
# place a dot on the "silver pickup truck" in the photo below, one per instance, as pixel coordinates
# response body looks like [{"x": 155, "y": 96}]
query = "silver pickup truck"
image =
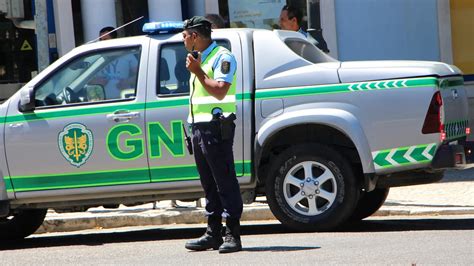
[{"x": 323, "y": 140}]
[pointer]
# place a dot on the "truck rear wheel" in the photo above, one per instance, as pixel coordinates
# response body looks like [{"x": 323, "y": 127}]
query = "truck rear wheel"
[
  {"x": 311, "y": 187},
  {"x": 369, "y": 203},
  {"x": 21, "y": 223}
]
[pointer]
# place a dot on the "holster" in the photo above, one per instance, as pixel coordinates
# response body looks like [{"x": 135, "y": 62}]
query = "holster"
[
  {"x": 189, "y": 145},
  {"x": 227, "y": 126},
  {"x": 187, "y": 140}
]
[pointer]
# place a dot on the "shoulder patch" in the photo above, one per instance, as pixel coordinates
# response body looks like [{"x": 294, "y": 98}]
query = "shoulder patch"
[{"x": 225, "y": 67}]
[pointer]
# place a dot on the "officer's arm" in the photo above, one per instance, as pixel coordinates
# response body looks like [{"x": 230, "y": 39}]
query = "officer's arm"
[{"x": 218, "y": 89}]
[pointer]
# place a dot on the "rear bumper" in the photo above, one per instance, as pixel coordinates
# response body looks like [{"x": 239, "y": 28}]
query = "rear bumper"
[{"x": 458, "y": 156}]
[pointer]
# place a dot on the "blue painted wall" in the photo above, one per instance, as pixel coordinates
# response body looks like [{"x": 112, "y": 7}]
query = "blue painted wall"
[{"x": 387, "y": 29}]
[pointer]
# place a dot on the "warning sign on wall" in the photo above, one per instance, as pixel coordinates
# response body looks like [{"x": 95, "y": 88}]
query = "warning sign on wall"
[{"x": 26, "y": 46}]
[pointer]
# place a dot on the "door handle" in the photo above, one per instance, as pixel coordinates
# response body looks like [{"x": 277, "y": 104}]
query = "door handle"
[
  {"x": 16, "y": 125},
  {"x": 123, "y": 116}
]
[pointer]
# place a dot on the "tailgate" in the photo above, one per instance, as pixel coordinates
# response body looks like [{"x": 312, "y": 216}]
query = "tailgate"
[{"x": 454, "y": 114}]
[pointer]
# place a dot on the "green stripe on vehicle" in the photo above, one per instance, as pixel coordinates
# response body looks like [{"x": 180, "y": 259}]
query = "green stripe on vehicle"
[
  {"x": 72, "y": 112},
  {"x": 168, "y": 103},
  {"x": 189, "y": 172},
  {"x": 455, "y": 82},
  {"x": 243, "y": 96},
  {"x": 87, "y": 110},
  {"x": 80, "y": 180},
  {"x": 404, "y": 156},
  {"x": 111, "y": 177},
  {"x": 344, "y": 88},
  {"x": 8, "y": 184}
]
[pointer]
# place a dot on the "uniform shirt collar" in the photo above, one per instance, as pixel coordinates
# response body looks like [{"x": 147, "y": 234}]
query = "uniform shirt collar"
[
  {"x": 207, "y": 51},
  {"x": 303, "y": 32}
]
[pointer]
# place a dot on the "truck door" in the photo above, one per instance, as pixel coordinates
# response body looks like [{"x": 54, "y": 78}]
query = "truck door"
[
  {"x": 167, "y": 111},
  {"x": 87, "y": 129}
]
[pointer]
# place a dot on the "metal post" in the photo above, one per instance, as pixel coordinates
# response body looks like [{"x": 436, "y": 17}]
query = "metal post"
[
  {"x": 308, "y": 14},
  {"x": 42, "y": 37}
]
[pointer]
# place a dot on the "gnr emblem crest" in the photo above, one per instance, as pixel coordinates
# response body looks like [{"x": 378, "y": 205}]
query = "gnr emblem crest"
[{"x": 76, "y": 143}]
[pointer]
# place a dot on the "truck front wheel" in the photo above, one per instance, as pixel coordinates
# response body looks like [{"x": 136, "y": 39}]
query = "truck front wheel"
[
  {"x": 21, "y": 223},
  {"x": 312, "y": 188}
]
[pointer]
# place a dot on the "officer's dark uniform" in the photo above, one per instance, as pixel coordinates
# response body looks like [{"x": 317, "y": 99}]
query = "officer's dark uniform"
[{"x": 213, "y": 132}]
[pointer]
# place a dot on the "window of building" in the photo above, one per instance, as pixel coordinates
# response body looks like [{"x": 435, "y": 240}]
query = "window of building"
[
  {"x": 265, "y": 14},
  {"x": 17, "y": 49}
]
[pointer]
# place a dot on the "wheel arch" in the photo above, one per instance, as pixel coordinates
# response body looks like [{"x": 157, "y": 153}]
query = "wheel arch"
[{"x": 335, "y": 127}]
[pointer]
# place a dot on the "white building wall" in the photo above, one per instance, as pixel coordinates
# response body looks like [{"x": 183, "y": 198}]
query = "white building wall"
[
  {"x": 64, "y": 26},
  {"x": 328, "y": 25},
  {"x": 444, "y": 27},
  {"x": 96, "y": 15},
  {"x": 162, "y": 10}
]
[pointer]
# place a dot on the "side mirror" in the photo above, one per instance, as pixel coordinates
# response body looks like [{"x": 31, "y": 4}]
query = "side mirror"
[
  {"x": 27, "y": 99},
  {"x": 95, "y": 93}
]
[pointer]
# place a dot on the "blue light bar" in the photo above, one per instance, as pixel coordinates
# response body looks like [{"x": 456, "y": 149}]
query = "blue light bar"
[{"x": 163, "y": 27}]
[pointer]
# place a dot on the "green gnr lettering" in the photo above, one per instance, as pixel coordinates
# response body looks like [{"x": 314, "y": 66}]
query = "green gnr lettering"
[
  {"x": 135, "y": 146},
  {"x": 174, "y": 143}
]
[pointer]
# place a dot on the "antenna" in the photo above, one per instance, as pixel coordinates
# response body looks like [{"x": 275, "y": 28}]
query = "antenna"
[{"x": 124, "y": 25}]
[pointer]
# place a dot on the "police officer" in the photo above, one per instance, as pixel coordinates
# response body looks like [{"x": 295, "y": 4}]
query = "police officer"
[{"x": 212, "y": 111}]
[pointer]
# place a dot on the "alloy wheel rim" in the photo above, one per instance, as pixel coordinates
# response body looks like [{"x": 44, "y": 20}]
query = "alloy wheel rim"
[{"x": 310, "y": 188}]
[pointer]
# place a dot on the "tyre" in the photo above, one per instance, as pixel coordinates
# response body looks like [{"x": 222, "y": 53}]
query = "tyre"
[
  {"x": 369, "y": 203},
  {"x": 311, "y": 187},
  {"x": 21, "y": 223}
]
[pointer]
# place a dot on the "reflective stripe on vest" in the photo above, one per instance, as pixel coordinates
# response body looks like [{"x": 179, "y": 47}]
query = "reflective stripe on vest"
[{"x": 202, "y": 103}]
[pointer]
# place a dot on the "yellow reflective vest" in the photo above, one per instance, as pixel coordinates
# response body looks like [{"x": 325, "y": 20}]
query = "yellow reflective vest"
[{"x": 201, "y": 102}]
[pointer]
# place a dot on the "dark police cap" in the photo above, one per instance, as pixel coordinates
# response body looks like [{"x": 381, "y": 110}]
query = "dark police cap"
[{"x": 196, "y": 22}]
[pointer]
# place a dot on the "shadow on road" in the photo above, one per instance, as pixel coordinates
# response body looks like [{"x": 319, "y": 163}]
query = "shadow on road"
[
  {"x": 278, "y": 248},
  {"x": 407, "y": 203},
  {"x": 418, "y": 224},
  {"x": 458, "y": 175},
  {"x": 107, "y": 237}
]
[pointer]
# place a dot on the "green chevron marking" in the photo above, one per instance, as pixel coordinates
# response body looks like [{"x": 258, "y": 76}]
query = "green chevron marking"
[
  {"x": 432, "y": 150},
  {"x": 417, "y": 154},
  {"x": 404, "y": 156},
  {"x": 455, "y": 129},
  {"x": 380, "y": 159},
  {"x": 398, "y": 156}
]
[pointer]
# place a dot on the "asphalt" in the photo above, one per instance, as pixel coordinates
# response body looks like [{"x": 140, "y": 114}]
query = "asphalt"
[{"x": 453, "y": 195}]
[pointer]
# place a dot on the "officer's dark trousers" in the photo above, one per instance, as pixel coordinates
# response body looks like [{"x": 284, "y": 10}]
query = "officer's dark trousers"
[{"x": 215, "y": 163}]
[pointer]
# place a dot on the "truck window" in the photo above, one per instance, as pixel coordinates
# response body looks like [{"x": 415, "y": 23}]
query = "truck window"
[
  {"x": 308, "y": 51},
  {"x": 173, "y": 77},
  {"x": 99, "y": 76}
]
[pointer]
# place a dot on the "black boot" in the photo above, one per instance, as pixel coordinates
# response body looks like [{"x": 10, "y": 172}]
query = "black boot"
[
  {"x": 212, "y": 238},
  {"x": 232, "y": 241}
]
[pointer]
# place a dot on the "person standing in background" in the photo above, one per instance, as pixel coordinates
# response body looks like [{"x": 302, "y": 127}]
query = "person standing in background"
[
  {"x": 107, "y": 33},
  {"x": 120, "y": 73},
  {"x": 217, "y": 22},
  {"x": 290, "y": 19}
]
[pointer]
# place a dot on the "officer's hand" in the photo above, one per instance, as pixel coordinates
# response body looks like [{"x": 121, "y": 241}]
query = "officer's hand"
[{"x": 193, "y": 64}]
